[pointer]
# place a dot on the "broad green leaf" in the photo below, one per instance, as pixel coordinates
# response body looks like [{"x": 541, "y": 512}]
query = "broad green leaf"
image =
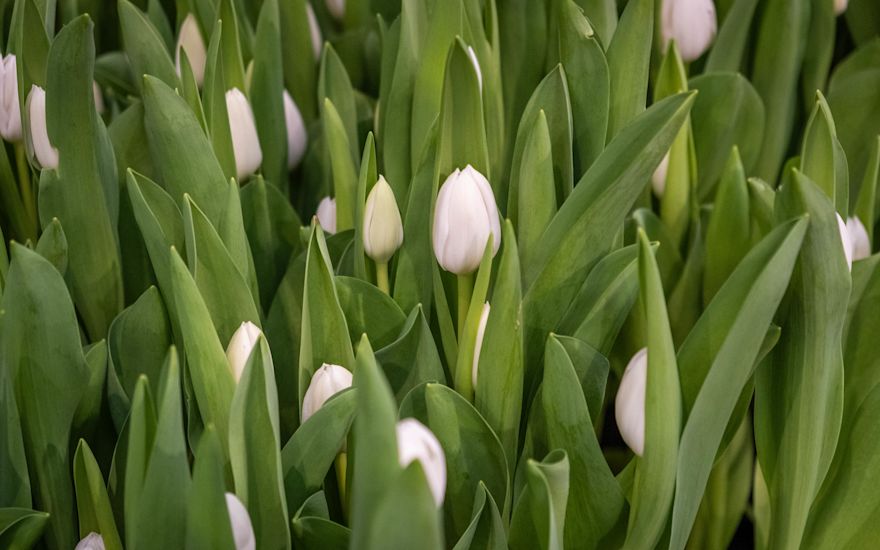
[
  {"x": 232, "y": 43},
  {"x": 267, "y": 85},
  {"x": 15, "y": 485},
  {"x": 207, "y": 520},
  {"x": 717, "y": 359},
  {"x": 254, "y": 449},
  {"x": 343, "y": 169},
  {"x": 92, "y": 503},
  {"x": 49, "y": 380},
  {"x": 629, "y": 59},
  {"x": 866, "y": 199},
  {"x": 475, "y": 291},
  {"x": 822, "y": 156},
  {"x": 730, "y": 44},
  {"x": 369, "y": 174},
  {"x": 214, "y": 98},
  {"x": 818, "y": 49},
  {"x": 318, "y": 533},
  {"x": 21, "y": 527},
  {"x": 686, "y": 299},
  {"x": 406, "y": 515},
  {"x": 655, "y": 469},
  {"x": 412, "y": 359},
  {"x": 486, "y": 529},
  {"x": 668, "y": 256},
  {"x": 540, "y": 514},
  {"x": 296, "y": 52},
  {"x": 592, "y": 369},
  {"x": 144, "y": 46},
  {"x": 53, "y": 246},
  {"x": 335, "y": 85}
]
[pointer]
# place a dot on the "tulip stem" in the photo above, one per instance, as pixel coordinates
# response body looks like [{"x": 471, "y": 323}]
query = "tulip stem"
[
  {"x": 341, "y": 464},
  {"x": 382, "y": 277},
  {"x": 24, "y": 181},
  {"x": 465, "y": 290}
]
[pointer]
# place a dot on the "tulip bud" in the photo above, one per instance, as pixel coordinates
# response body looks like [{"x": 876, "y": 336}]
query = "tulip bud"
[
  {"x": 245, "y": 142},
  {"x": 191, "y": 41},
  {"x": 327, "y": 214},
  {"x": 326, "y": 382},
  {"x": 464, "y": 217},
  {"x": 296, "y": 131},
  {"x": 473, "y": 55},
  {"x": 98, "y": 97},
  {"x": 859, "y": 239},
  {"x": 10, "y": 113},
  {"x": 416, "y": 442},
  {"x": 658, "y": 178},
  {"x": 45, "y": 153},
  {"x": 691, "y": 23},
  {"x": 240, "y": 346},
  {"x": 314, "y": 31},
  {"x": 840, "y": 6},
  {"x": 383, "y": 229},
  {"x": 481, "y": 331},
  {"x": 845, "y": 241},
  {"x": 92, "y": 541},
  {"x": 336, "y": 8},
  {"x": 242, "y": 529},
  {"x": 629, "y": 405}
]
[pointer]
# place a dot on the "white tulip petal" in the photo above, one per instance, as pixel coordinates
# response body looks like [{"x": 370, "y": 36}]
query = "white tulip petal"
[
  {"x": 383, "y": 228},
  {"x": 92, "y": 541},
  {"x": 473, "y": 55},
  {"x": 242, "y": 529},
  {"x": 191, "y": 41},
  {"x": 314, "y": 31},
  {"x": 691, "y": 23},
  {"x": 336, "y": 8},
  {"x": 658, "y": 178},
  {"x": 859, "y": 239},
  {"x": 240, "y": 347},
  {"x": 845, "y": 241},
  {"x": 326, "y": 215},
  {"x": 629, "y": 404},
  {"x": 326, "y": 382},
  {"x": 417, "y": 442},
  {"x": 45, "y": 153},
  {"x": 243, "y": 128},
  {"x": 297, "y": 138},
  {"x": 10, "y": 111}
]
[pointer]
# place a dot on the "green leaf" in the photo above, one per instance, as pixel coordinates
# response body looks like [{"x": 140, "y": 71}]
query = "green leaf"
[
  {"x": 254, "y": 449},
  {"x": 592, "y": 369},
  {"x": 818, "y": 49},
  {"x": 144, "y": 46},
  {"x": 299, "y": 66},
  {"x": 335, "y": 85},
  {"x": 406, "y": 515},
  {"x": 49, "y": 380},
  {"x": 342, "y": 165},
  {"x": 629, "y": 58},
  {"x": 718, "y": 357},
  {"x": 655, "y": 469},
  {"x": 21, "y": 527},
  {"x": 866, "y": 199},
  {"x": 486, "y": 529},
  {"x": 92, "y": 502},
  {"x": 207, "y": 521},
  {"x": 822, "y": 156},
  {"x": 412, "y": 359},
  {"x": 539, "y": 516},
  {"x": 730, "y": 44},
  {"x": 367, "y": 178},
  {"x": 267, "y": 85},
  {"x": 15, "y": 485},
  {"x": 214, "y": 97},
  {"x": 53, "y": 246},
  {"x": 231, "y": 45}
]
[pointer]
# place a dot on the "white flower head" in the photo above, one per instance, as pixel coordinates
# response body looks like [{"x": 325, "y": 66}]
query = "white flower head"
[
  {"x": 416, "y": 442},
  {"x": 629, "y": 404}
]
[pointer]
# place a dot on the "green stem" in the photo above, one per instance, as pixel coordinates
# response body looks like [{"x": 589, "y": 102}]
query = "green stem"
[
  {"x": 382, "y": 277},
  {"x": 24, "y": 182},
  {"x": 465, "y": 290},
  {"x": 341, "y": 464}
]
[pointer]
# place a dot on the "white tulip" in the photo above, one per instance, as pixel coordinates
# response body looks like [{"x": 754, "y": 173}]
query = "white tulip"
[
  {"x": 242, "y": 529},
  {"x": 314, "y": 31},
  {"x": 98, "y": 96},
  {"x": 326, "y": 382},
  {"x": 417, "y": 442},
  {"x": 464, "y": 217},
  {"x": 191, "y": 41},
  {"x": 845, "y": 241},
  {"x": 336, "y": 8},
  {"x": 658, "y": 178},
  {"x": 240, "y": 347},
  {"x": 629, "y": 404},
  {"x": 245, "y": 142},
  {"x": 327, "y": 214},
  {"x": 383, "y": 228},
  {"x": 840, "y": 6},
  {"x": 859, "y": 239},
  {"x": 478, "y": 347},
  {"x": 92, "y": 541},
  {"x": 473, "y": 55},
  {"x": 296, "y": 131},
  {"x": 691, "y": 23},
  {"x": 45, "y": 153},
  {"x": 10, "y": 112}
]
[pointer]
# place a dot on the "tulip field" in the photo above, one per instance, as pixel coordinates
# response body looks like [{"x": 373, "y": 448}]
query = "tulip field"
[{"x": 439, "y": 274}]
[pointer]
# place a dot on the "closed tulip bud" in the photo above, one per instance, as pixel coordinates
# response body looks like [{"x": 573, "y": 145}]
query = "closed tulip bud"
[
  {"x": 336, "y": 8},
  {"x": 473, "y": 55},
  {"x": 845, "y": 241},
  {"x": 296, "y": 131},
  {"x": 658, "y": 178},
  {"x": 240, "y": 347},
  {"x": 417, "y": 442},
  {"x": 326, "y": 382},
  {"x": 858, "y": 237},
  {"x": 98, "y": 97},
  {"x": 314, "y": 31},
  {"x": 478, "y": 347},
  {"x": 242, "y": 529},
  {"x": 840, "y": 6},
  {"x": 464, "y": 217},
  {"x": 92, "y": 541},
  {"x": 327, "y": 214},
  {"x": 45, "y": 153},
  {"x": 629, "y": 405},
  {"x": 383, "y": 229},
  {"x": 245, "y": 142},
  {"x": 691, "y": 23},
  {"x": 10, "y": 113},
  {"x": 191, "y": 41}
]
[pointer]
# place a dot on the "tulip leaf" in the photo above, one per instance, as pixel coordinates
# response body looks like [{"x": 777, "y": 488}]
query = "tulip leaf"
[
  {"x": 592, "y": 369},
  {"x": 822, "y": 156},
  {"x": 144, "y": 46},
  {"x": 486, "y": 529},
  {"x": 406, "y": 515},
  {"x": 53, "y": 246},
  {"x": 819, "y": 49},
  {"x": 206, "y": 362},
  {"x": 299, "y": 69},
  {"x": 21, "y": 527},
  {"x": 221, "y": 285},
  {"x": 718, "y": 357},
  {"x": 92, "y": 502},
  {"x": 231, "y": 45},
  {"x": 334, "y": 84},
  {"x": 49, "y": 380},
  {"x": 267, "y": 85},
  {"x": 469, "y": 321},
  {"x": 668, "y": 255},
  {"x": 798, "y": 404},
  {"x": 369, "y": 174},
  {"x": 860, "y": 374},
  {"x": 655, "y": 469},
  {"x": 629, "y": 59},
  {"x": 207, "y": 520},
  {"x": 539, "y": 517},
  {"x": 214, "y": 98},
  {"x": 412, "y": 359},
  {"x": 375, "y": 464},
  {"x": 730, "y": 43},
  {"x": 324, "y": 328},
  {"x": 342, "y": 165},
  {"x": 318, "y": 533},
  {"x": 254, "y": 449},
  {"x": 83, "y": 193},
  {"x": 866, "y": 200},
  {"x": 15, "y": 485},
  {"x": 473, "y": 452}
]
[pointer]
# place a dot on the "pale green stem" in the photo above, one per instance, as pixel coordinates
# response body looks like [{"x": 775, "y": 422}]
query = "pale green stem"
[{"x": 382, "y": 277}]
